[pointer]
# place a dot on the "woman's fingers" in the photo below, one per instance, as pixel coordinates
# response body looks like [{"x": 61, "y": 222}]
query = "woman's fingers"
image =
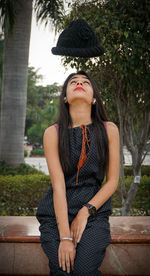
[
  {"x": 72, "y": 257},
  {"x": 63, "y": 262},
  {"x": 80, "y": 235},
  {"x": 77, "y": 230},
  {"x": 75, "y": 237},
  {"x": 68, "y": 263},
  {"x": 59, "y": 258},
  {"x": 76, "y": 234}
]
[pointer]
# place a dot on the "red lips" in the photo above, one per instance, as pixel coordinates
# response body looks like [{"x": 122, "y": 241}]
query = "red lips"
[{"x": 79, "y": 88}]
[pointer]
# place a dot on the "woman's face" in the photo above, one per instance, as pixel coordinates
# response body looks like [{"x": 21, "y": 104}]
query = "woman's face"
[{"x": 79, "y": 88}]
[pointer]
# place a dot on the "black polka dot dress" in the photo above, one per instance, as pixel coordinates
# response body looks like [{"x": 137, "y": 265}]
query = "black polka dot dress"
[{"x": 81, "y": 185}]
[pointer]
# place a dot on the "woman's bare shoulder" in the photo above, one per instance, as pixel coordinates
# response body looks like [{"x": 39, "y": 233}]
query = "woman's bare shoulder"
[
  {"x": 112, "y": 129},
  {"x": 50, "y": 142},
  {"x": 50, "y": 131},
  {"x": 111, "y": 125},
  {"x": 50, "y": 137}
]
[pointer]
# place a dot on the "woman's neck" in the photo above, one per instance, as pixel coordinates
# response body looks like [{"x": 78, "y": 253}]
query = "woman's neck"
[{"x": 80, "y": 115}]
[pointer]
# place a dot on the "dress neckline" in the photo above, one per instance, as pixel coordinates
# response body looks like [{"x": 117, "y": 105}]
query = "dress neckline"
[{"x": 76, "y": 127}]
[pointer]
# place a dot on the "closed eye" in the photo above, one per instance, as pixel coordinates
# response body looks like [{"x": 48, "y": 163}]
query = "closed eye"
[
  {"x": 73, "y": 81},
  {"x": 87, "y": 82}
]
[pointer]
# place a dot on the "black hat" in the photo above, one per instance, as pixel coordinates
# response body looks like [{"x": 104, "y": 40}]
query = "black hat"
[{"x": 78, "y": 40}]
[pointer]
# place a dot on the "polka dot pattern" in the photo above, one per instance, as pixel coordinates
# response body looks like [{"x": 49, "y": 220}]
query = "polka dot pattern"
[{"x": 90, "y": 250}]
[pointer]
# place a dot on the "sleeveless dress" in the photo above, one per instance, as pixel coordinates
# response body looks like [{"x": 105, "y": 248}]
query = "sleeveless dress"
[{"x": 81, "y": 185}]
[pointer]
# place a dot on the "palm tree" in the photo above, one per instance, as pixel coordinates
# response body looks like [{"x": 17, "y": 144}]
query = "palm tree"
[
  {"x": 17, "y": 26},
  {"x": 16, "y": 21}
]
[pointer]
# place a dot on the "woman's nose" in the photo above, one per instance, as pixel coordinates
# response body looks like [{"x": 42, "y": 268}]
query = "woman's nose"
[{"x": 79, "y": 83}]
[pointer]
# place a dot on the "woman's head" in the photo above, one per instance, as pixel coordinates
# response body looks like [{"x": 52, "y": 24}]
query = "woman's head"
[
  {"x": 91, "y": 97},
  {"x": 79, "y": 91}
]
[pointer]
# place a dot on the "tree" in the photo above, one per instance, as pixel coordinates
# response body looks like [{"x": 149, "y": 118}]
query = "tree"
[
  {"x": 123, "y": 72},
  {"x": 46, "y": 117},
  {"x": 41, "y": 106},
  {"x": 14, "y": 82},
  {"x": 1, "y": 63},
  {"x": 15, "y": 16}
]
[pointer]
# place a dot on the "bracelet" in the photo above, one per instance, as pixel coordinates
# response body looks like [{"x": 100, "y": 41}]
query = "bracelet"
[{"x": 66, "y": 238}]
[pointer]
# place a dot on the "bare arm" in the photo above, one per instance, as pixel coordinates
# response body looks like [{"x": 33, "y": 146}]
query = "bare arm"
[
  {"x": 66, "y": 250},
  {"x": 50, "y": 141}
]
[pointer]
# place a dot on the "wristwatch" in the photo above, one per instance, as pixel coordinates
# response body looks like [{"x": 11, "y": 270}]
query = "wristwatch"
[{"x": 91, "y": 208}]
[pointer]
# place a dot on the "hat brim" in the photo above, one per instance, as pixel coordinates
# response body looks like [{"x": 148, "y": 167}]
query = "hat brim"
[{"x": 79, "y": 52}]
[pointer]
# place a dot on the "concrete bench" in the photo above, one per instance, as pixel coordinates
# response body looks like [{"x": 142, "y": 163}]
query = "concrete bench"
[{"x": 21, "y": 252}]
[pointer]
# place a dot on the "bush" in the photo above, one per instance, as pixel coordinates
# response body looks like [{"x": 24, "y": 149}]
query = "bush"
[
  {"x": 142, "y": 199},
  {"x": 23, "y": 169},
  {"x": 37, "y": 152},
  {"x": 20, "y": 195},
  {"x": 25, "y": 153},
  {"x": 35, "y": 133},
  {"x": 145, "y": 170}
]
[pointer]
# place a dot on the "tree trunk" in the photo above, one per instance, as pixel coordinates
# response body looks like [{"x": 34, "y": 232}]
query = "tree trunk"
[
  {"x": 132, "y": 191},
  {"x": 136, "y": 147},
  {"x": 14, "y": 85},
  {"x": 123, "y": 187}
]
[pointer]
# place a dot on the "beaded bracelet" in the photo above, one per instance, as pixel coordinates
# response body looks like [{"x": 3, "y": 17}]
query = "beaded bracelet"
[{"x": 66, "y": 238}]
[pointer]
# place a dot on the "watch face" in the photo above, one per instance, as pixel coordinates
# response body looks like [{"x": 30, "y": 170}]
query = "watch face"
[{"x": 92, "y": 210}]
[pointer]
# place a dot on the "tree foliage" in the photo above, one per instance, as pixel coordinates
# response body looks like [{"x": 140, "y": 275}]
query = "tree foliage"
[
  {"x": 7, "y": 14},
  {"x": 42, "y": 106},
  {"x": 49, "y": 11}
]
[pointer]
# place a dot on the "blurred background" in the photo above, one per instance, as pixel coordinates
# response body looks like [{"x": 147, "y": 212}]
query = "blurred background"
[{"x": 31, "y": 79}]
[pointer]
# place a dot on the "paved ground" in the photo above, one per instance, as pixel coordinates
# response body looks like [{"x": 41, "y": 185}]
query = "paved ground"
[
  {"x": 40, "y": 162},
  {"x": 37, "y": 162}
]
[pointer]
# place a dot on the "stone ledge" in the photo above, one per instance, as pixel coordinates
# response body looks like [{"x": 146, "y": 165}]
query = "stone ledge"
[
  {"x": 21, "y": 252},
  {"x": 123, "y": 229}
]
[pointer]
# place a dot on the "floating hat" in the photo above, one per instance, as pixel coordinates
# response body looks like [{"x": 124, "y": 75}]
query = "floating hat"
[{"x": 78, "y": 40}]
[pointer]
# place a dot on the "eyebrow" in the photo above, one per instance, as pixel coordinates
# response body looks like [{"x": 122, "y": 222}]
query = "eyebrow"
[{"x": 74, "y": 77}]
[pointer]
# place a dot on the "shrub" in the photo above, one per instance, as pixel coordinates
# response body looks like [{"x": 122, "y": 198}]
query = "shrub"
[
  {"x": 37, "y": 152},
  {"x": 145, "y": 170},
  {"x": 25, "y": 153},
  {"x": 142, "y": 199},
  {"x": 23, "y": 169},
  {"x": 20, "y": 195}
]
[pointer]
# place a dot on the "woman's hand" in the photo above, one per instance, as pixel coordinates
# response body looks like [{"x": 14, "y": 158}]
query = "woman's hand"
[
  {"x": 78, "y": 225},
  {"x": 66, "y": 255}
]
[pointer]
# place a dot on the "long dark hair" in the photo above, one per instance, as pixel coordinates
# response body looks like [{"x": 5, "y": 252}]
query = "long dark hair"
[{"x": 98, "y": 116}]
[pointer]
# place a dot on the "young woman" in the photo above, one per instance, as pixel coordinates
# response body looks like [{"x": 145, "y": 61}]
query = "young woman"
[{"x": 80, "y": 149}]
